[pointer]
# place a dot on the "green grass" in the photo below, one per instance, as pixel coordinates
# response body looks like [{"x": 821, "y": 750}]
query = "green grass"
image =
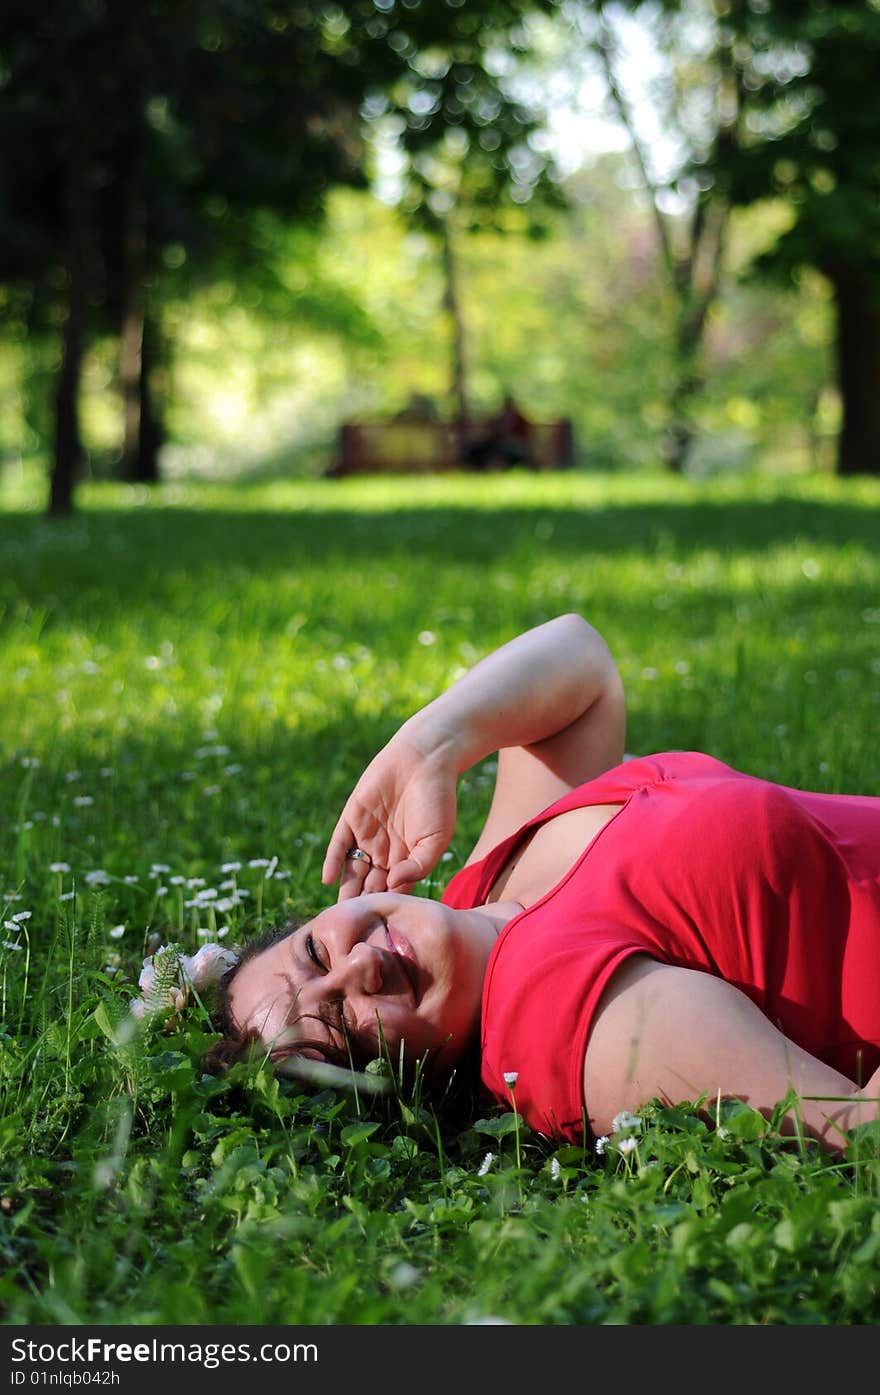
[{"x": 194, "y": 678}]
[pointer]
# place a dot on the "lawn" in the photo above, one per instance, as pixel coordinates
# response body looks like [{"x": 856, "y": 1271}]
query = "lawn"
[{"x": 193, "y": 679}]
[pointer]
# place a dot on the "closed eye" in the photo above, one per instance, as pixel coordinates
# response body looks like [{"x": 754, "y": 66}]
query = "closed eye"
[{"x": 311, "y": 950}]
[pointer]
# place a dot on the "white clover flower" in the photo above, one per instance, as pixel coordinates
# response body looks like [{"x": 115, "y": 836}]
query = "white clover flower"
[
  {"x": 67, "y": 896},
  {"x": 210, "y": 790},
  {"x": 7, "y": 944},
  {"x": 625, "y": 1120},
  {"x": 131, "y": 880},
  {"x": 177, "y": 881},
  {"x": 71, "y": 775},
  {"x": 157, "y": 868},
  {"x": 97, "y": 877},
  {"x": 59, "y": 867},
  {"x": 258, "y": 862},
  {"x": 284, "y": 875},
  {"x": 83, "y": 801},
  {"x": 270, "y": 870},
  {"x": 201, "y": 970},
  {"x": 628, "y": 1145},
  {"x": 10, "y": 925},
  {"x": 599, "y": 1145},
  {"x": 228, "y": 867},
  {"x": 22, "y": 915},
  {"x": 404, "y": 1275},
  {"x": 555, "y": 1169},
  {"x": 510, "y": 1078},
  {"x": 117, "y": 932},
  {"x": 485, "y": 1164},
  {"x": 208, "y": 965}
]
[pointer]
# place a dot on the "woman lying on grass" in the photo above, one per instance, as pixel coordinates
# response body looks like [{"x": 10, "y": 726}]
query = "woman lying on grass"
[{"x": 660, "y": 927}]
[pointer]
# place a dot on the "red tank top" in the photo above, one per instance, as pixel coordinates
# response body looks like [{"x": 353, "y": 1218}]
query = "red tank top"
[{"x": 777, "y": 890}]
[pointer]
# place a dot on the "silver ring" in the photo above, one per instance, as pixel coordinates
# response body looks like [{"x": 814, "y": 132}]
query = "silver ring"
[{"x": 358, "y": 855}]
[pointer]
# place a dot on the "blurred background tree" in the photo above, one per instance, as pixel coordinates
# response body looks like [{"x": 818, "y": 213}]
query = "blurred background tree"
[
  {"x": 224, "y": 228},
  {"x": 798, "y": 124},
  {"x": 160, "y": 129},
  {"x": 696, "y": 100},
  {"x": 810, "y": 141}
]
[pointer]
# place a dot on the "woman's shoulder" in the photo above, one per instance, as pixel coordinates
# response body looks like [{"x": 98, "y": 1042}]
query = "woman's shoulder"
[
  {"x": 469, "y": 886},
  {"x": 641, "y": 772}
]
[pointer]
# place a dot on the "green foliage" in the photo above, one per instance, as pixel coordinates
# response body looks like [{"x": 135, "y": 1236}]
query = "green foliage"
[
  {"x": 809, "y": 70},
  {"x": 195, "y": 685},
  {"x": 161, "y": 138}
]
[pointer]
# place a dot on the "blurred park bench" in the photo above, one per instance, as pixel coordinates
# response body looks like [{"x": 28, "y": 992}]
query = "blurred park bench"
[{"x": 422, "y": 447}]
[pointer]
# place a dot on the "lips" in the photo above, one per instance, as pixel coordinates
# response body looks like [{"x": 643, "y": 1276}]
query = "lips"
[{"x": 402, "y": 950}]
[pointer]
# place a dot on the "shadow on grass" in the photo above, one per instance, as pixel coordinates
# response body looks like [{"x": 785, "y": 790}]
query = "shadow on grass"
[{"x": 170, "y": 540}]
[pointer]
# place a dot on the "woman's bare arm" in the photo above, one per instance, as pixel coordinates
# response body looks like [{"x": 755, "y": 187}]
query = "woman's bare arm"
[
  {"x": 678, "y": 1034},
  {"x": 549, "y": 701}
]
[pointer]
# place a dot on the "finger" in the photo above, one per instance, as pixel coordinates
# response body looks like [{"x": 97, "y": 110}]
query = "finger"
[
  {"x": 401, "y": 888},
  {"x": 351, "y": 882},
  {"x": 376, "y": 879},
  {"x": 414, "y": 868},
  {"x": 341, "y": 840}
]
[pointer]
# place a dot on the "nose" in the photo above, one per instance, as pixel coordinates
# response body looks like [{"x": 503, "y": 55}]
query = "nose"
[{"x": 358, "y": 971}]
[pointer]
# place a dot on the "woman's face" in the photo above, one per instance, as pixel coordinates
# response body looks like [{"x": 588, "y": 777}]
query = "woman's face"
[{"x": 408, "y": 962}]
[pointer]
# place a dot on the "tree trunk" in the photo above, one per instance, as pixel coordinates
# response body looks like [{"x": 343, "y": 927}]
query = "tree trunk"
[
  {"x": 689, "y": 383},
  {"x": 132, "y": 352},
  {"x": 857, "y": 298},
  {"x": 150, "y": 433},
  {"x": 68, "y": 450},
  {"x": 680, "y": 433},
  {"x": 141, "y": 435},
  {"x": 452, "y": 305}
]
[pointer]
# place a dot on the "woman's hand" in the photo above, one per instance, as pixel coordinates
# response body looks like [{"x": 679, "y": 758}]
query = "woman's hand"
[
  {"x": 401, "y": 813},
  {"x": 549, "y": 701}
]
